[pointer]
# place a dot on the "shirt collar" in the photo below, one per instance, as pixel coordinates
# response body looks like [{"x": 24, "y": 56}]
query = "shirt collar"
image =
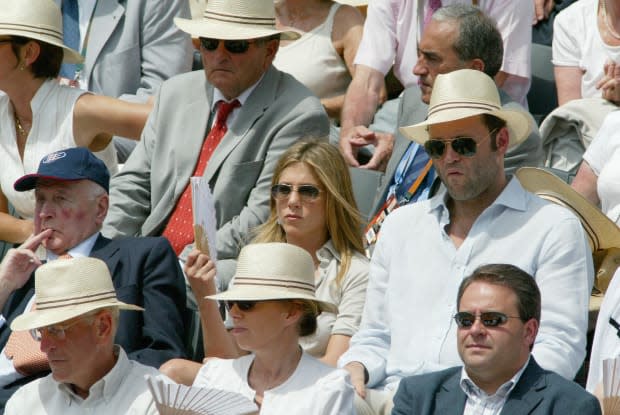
[
  {"x": 80, "y": 250},
  {"x": 242, "y": 98},
  {"x": 514, "y": 196},
  {"x": 471, "y": 389},
  {"x": 106, "y": 387},
  {"x": 327, "y": 252},
  {"x": 39, "y": 97}
]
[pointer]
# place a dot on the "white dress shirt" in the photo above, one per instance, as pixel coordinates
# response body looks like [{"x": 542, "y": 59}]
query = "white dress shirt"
[{"x": 407, "y": 326}]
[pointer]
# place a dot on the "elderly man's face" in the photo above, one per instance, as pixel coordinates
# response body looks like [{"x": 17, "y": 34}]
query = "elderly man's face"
[
  {"x": 72, "y": 352},
  {"x": 492, "y": 355},
  {"x": 436, "y": 55},
  {"x": 232, "y": 73},
  {"x": 74, "y": 210}
]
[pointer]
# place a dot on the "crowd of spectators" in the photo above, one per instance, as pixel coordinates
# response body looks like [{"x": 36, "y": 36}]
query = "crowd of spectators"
[{"x": 460, "y": 291}]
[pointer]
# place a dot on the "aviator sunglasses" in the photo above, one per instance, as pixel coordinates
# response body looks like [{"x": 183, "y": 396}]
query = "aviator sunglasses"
[
  {"x": 233, "y": 46},
  {"x": 488, "y": 319},
  {"x": 307, "y": 192},
  {"x": 464, "y": 146}
]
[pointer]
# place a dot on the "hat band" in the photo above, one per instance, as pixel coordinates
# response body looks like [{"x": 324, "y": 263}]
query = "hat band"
[
  {"x": 253, "y": 21},
  {"x": 51, "y": 304},
  {"x": 270, "y": 282},
  {"x": 454, "y": 105},
  {"x": 31, "y": 29}
]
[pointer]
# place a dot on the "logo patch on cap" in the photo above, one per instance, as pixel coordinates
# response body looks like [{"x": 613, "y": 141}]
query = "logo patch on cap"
[{"x": 54, "y": 156}]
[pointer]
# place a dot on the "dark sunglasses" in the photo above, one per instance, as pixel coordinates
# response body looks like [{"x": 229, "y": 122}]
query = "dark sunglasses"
[
  {"x": 464, "y": 146},
  {"x": 307, "y": 192},
  {"x": 233, "y": 46},
  {"x": 241, "y": 305},
  {"x": 488, "y": 319}
]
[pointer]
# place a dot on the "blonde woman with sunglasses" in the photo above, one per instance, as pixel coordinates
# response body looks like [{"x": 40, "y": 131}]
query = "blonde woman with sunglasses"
[{"x": 312, "y": 206}]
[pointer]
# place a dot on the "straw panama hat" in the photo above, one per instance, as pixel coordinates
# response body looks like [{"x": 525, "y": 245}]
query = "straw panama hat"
[
  {"x": 274, "y": 271},
  {"x": 68, "y": 288},
  {"x": 602, "y": 232},
  {"x": 36, "y": 19},
  {"x": 236, "y": 20},
  {"x": 467, "y": 93}
]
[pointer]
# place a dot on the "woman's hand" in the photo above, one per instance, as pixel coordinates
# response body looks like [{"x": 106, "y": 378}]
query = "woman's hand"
[
  {"x": 609, "y": 84},
  {"x": 200, "y": 271}
]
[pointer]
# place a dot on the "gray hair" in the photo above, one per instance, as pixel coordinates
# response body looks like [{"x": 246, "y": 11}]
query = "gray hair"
[{"x": 478, "y": 36}]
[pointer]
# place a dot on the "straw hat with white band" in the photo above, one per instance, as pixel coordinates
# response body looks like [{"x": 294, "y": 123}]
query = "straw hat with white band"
[
  {"x": 68, "y": 288},
  {"x": 36, "y": 19},
  {"x": 236, "y": 20},
  {"x": 466, "y": 93},
  {"x": 274, "y": 271}
]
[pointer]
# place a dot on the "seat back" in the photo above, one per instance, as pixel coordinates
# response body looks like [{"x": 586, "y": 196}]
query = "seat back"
[{"x": 543, "y": 96}]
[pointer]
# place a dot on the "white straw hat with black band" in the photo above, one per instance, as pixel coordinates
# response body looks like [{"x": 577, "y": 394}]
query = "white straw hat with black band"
[
  {"x": 36, "y": 19},
  {"x": 467, "y": 93},
  {"x": 236, "y": 20},
  {"x": 68, "y": 288},
  {"x": 274, "y": 271}
]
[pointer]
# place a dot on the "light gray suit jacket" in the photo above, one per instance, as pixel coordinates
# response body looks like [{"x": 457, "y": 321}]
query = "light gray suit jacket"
[
  {"x": 412, "y": 110},
  {"x": 277, "y": 113},
  {"x": 134, "y": 46}
]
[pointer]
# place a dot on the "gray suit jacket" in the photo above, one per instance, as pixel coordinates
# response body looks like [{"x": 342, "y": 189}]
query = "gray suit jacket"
[
  {"x": 277, "y": 113},
  {"x": 134, "y": 46},
  {"x": 538, "y": 392},
  {"x": 412, "y": 110}
]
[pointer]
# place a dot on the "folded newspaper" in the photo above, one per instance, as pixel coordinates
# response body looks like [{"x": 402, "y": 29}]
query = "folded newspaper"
[
  {"x": 205, "y": 224},
  {"x": 174, "y": 399}
]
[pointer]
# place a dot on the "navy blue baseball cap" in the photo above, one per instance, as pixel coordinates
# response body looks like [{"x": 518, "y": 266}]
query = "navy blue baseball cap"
[{"x": 76, "y": 163}]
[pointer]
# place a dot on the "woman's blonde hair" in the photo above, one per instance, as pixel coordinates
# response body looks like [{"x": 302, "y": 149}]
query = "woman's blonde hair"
[{"x": 344, "y": 223}]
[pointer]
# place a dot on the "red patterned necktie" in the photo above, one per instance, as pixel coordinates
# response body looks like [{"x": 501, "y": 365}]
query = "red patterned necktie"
[
  {"x": 433, "y": 5},
  {"x": 179, "y": 230}
]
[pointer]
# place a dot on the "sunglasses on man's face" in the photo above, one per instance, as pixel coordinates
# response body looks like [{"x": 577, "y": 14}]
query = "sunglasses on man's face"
[
  {"x": 307, "y": 192},
  {"x": 233, "y": 46},
  {"x": 463, "y": 146},
  {"x": 241, "y": 305},
  {"x": 489, "y": 319}
]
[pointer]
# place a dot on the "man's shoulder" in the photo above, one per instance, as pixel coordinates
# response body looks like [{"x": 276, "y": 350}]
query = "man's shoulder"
[{"x": 431, "y": 380}]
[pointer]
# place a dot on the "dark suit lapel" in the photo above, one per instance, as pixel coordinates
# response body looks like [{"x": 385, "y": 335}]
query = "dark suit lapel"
[
  {"x": 107, "y": 252},
  {"x": 528, "y": 392},
  {"x": 254, "y": 107},
  {"x": 450, "y": 400},
  {"x": 106, "y": 17}
]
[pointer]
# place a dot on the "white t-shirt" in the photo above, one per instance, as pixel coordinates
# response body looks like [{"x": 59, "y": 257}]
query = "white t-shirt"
[
  {"x": 578, "y": 43},
  {"x": 603, "y": 156},
  {"x": 313, "y": 389}
]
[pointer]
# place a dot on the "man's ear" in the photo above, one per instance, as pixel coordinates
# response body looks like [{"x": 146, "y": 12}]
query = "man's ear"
[
  {"x": 102, "y": 208},
  {"x": 477, "y": 64},
  {"x": 530, "y": 331},
  {"x": 103, "y": 326}
]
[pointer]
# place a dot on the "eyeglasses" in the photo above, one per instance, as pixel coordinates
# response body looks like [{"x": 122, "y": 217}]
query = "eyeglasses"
[
  {"x": 241, "y": 305},
  {"x": 233, "y": 46},
  {"x": 307, "y": 192},
  {"x": 488, "y": 319},
  {"x": 57, "y": 331},
  {"x": 464, "y": 146}
]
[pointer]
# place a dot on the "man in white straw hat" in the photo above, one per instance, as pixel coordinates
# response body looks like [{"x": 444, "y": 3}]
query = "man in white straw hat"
[
  {"x": 229, "y": 124},
  {"x": 71, "y": 201},
  {"x": 75, "y": 321},
  {"x": 481, "y": 216},
  {"x": 458, "y": 36}
]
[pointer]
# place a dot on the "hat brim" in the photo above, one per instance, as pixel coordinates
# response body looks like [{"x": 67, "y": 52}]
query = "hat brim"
[
  {"x": 245, "y": 293},
  {"x": 29, "y": 181},
  {"x": 229, "y": 31},
  {"x": 518, "y": 123},
  {"x": 69, "y": 55},
  {"x": 602, "y": 232},
  {"x": 41, "y": 318}
]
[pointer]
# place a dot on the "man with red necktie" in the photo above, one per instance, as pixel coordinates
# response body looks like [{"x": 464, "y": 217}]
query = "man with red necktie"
[{"x": 229, "y": 124}]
